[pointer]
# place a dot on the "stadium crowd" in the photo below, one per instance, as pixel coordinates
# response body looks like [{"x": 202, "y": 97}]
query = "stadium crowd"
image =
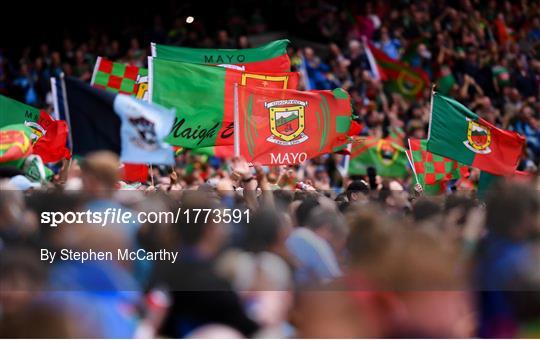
[{"x": 324, "y": 255}]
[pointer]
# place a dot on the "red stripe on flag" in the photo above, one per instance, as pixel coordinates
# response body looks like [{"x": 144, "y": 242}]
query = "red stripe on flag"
[{"x": 506, "y": 148}]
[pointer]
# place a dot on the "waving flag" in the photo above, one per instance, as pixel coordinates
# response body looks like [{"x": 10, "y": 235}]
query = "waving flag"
[
  {"x": 271, "y": 57},
  {"x": 15, "y": 144},
  {"x": 120, "y": 78},
  {"x": 49, "y": 136},
  {"x": 432, "y": 172},
  {"x": 52, "y": 134},
  {"x": 275, "y": 126},
  {"x": 101, "y": 120},
  {"x": 15, "y": 112},
  {"x": 387, "y": 157},
  {"x": 398, "y": 77},
  {"x": 203, "y": 98},
  {"x": 459, "y": 134}
]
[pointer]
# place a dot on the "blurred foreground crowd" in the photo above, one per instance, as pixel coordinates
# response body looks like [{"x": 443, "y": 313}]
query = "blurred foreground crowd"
[{"x": 372, "y": 261}]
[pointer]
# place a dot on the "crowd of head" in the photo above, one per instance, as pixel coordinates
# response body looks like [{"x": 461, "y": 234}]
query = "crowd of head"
[
  {"x": 323, "y": 254},
  {"x": 372, "y": 261}
]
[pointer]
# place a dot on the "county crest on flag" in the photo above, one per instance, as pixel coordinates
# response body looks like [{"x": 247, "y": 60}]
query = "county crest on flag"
[
  {"x": 120, "y": 78},
  {"x": 459, "y": 134},
  {"x": 275, "y": 126}
]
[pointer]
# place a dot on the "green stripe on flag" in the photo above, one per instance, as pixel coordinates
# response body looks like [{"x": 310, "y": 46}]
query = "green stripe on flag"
[
  {"x": 448, "y": 129},
  {"x": 222, "y": 56}
]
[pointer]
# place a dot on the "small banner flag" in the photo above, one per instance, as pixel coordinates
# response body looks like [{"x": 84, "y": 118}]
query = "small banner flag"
[
  {"x": 120, "y": 78},
  {"x": 432, "y": 172}
]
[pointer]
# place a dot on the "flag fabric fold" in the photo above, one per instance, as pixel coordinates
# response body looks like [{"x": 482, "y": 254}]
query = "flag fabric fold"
[
  {"x": 271, "y": 57},
  {"x": 203, "y": 98},
  {"x": 51, "y": 144},
  {"x": 458, "y": 133},
  {"x": 275, "y": 126}
]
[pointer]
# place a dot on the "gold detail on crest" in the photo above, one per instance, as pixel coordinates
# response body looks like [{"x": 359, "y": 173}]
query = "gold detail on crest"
[{"x": 265, "y": 79}]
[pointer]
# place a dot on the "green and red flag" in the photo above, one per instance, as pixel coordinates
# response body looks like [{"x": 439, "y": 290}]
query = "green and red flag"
[
  {"x": 271, "y": 57},
  {"x": 459, "y": 134},
  {"x": 387, "y": 157},
  {"x": 15, "y": 144},
  {"x": 49, "y": 136},
  {"x": 432, "y": 172},
  {"x": 275, "y": 126},
  {"x": 15, "y": 112},
  {"x": 120, "y": 78},
  {"x": 203, "y": 98},
  {"x": 399, "y": 77}
]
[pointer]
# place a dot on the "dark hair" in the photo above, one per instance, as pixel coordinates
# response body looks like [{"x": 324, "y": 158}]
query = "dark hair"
[
  {"x": 263, "y": 232},
  {"x": 425, "y": 208},
  {"x": 304, "y": 209},
  {"x": 357, "y": 186},
  {"x": 507, "y": 205}
]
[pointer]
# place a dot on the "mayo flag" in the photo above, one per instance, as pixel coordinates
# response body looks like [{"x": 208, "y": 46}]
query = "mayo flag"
[
  {"x": 15, "y": 144},
  {"x": 399, "y": 77},
  {"x": 459, "y": 134},
  {"x": 203, "y": 98},
  {"x": 271, "y": 57},
  {"x": 387, "y": 157},
  {"x": 120, "y": 78},
  {"x": 277, "y": 126},
  {"x": 48, "y": 136}
]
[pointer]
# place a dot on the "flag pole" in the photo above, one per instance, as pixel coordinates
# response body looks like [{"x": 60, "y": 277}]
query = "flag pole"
[
  {"x": 410, "y": 161},
  {"x": 54, "y": 92},
  {"x": 431, "y": 109},
  {"x": 236, "y": 122},
  {"x": 66, "y": 110},
  {"x": 152, "y": 174}
]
